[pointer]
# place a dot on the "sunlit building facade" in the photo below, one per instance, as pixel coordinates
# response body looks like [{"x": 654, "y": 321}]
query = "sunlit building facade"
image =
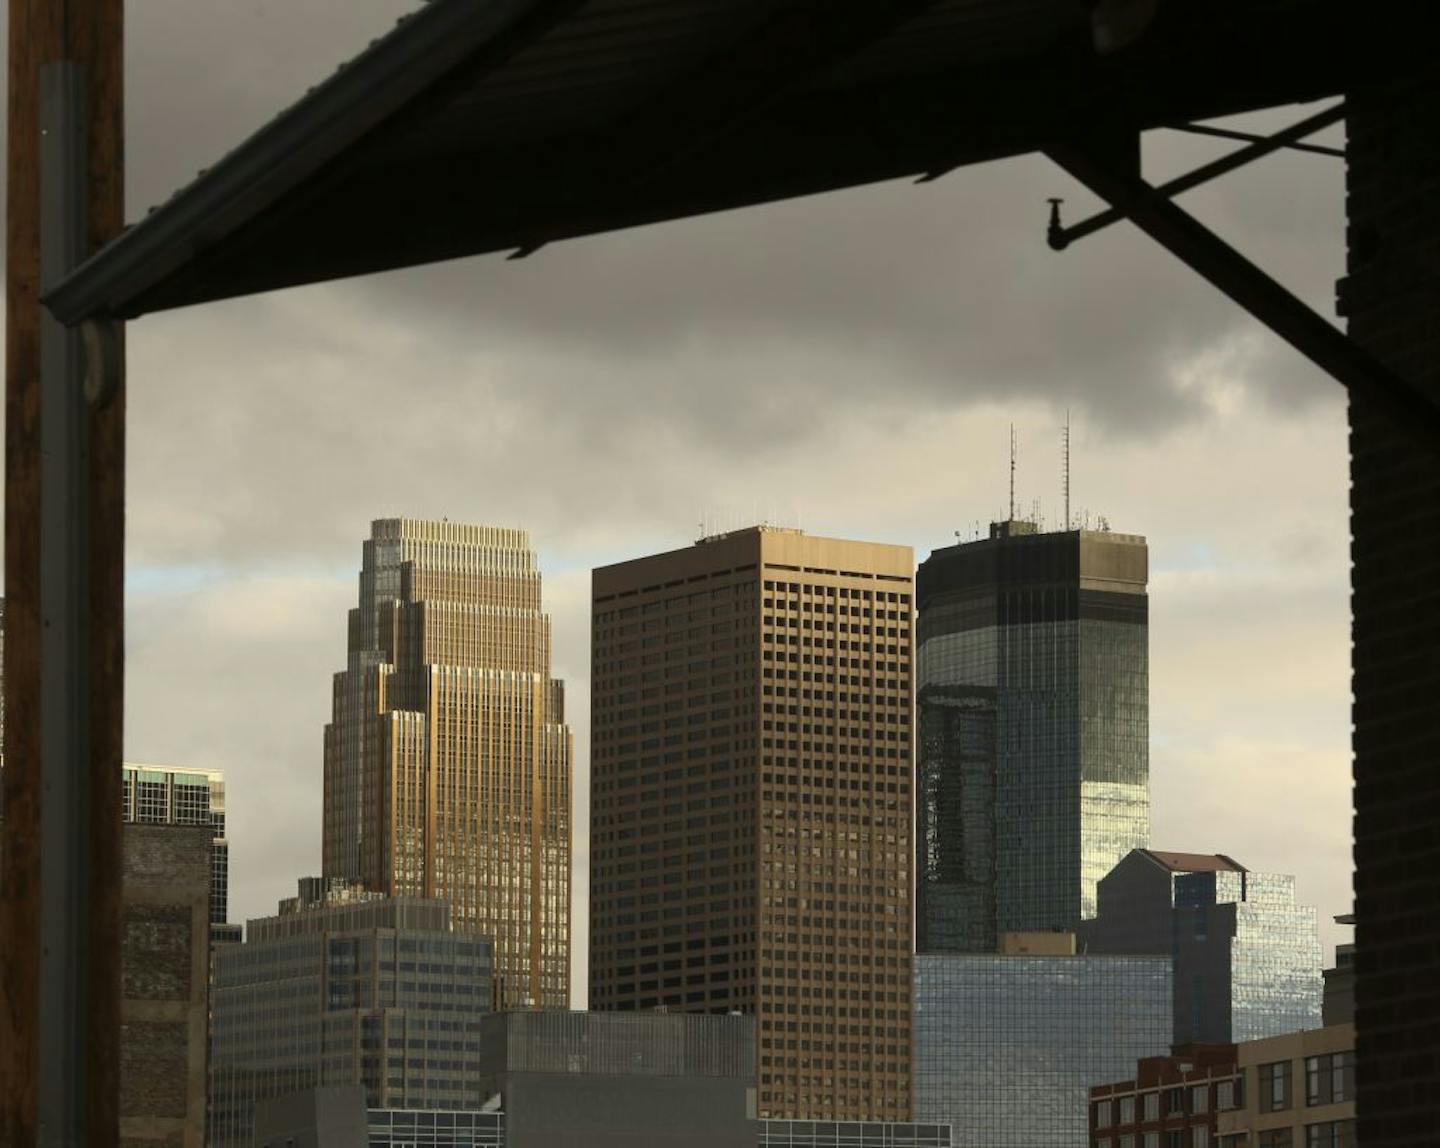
[
  {"x": 751, "y": 806},
  {"x": 447, "y": 760},
  {"x": 1008, "y": 1045},
  {"x": 1032, "y": 752},
  {"x": 1247, "y": 956}
]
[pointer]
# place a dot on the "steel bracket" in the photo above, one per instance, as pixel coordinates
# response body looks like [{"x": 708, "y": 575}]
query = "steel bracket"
[{"x": 1155, "y": 213}]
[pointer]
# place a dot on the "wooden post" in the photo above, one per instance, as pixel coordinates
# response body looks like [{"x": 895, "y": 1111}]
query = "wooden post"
[{"x": 88, "y": 33}]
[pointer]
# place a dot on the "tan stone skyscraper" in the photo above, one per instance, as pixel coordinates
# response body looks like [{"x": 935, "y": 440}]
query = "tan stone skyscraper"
[
  {"x": 750, "y": 834},
  {"x": 447, "y": 760}
]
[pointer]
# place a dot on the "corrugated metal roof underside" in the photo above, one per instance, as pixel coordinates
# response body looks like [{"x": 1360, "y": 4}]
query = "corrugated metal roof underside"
[{"x": 530, "y": 121}]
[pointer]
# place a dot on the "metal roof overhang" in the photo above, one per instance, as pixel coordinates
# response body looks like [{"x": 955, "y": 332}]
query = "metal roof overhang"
[{"x": 488, "y": 125}]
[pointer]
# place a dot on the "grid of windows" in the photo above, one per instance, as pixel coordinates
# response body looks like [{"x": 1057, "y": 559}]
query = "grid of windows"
[
  {"x": 398, "y": 1128},
  {"x": 751, "y": 804},
  {"x": 447, "y": 760},
  {"x": 1275, "y": 978},
  {"x": 833, "y": 1134},
  {"x": 379, "y": 993},
  {"x": 1187, "y": 1095},
  {"x": 1007, "y": 1047},
  {"x": 1033, "y": 731}
]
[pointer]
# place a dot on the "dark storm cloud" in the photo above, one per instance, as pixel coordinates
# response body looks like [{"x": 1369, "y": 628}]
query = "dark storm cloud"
[
  {"x": 947, "y": 292},
  {"x": 605, "y": 391}
]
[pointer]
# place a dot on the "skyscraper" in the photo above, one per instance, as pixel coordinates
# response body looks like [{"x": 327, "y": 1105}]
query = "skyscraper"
[
  {"x": 1032, "y": 758},
  {"x": 751, "y": 805},
  {"x": 447, "y": 760},
  {"x": 1246, "y": 955}
]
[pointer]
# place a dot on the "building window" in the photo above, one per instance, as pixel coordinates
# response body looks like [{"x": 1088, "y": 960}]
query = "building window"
[
  {"x": 1229, "y": 1095},
  {"x": 1102, "y": 1114},
  {"x": 1151, "y": 1140},
  {"x": 1275, "y": 1086},
  {"x": 1199, "y": 1137},
  {"x": 1235, "y": 1140},
  {"x": 1200, "y": 1098},
  {"x": 1175, "y": 1138},
  {"x": 1127, "y": 1142},
  {"x": 1334, "y": 1134},
  {"x": 1127, "y": 1110},
  {"x": 1275, "y": 1138},
  {"x": 1329, "y": 1079},
  {"x": 1152, "y": 1106}
]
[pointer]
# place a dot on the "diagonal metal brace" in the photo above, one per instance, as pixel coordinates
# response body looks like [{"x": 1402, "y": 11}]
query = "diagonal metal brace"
[
  {"x": 1061, "y": 237},
  {"x": 1251, "y": 137},
  {"x": 1209, "y": 255}
]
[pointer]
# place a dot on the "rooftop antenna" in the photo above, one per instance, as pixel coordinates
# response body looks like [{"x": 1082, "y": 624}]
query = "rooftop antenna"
[
  {"x": 1066, "y": 471},
  {"x": 1012, "y": 472}
]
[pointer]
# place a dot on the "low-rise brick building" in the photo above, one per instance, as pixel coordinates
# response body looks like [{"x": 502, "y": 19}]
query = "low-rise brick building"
[{"x": 1172, "y": 1102}]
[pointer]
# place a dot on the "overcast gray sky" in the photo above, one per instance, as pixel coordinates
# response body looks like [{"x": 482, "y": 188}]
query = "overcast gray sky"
[{"x": 607, "y": 393}]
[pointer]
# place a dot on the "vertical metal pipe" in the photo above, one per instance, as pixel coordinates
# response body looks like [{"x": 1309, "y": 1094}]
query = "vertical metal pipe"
[{"x": 65, "y": 868}]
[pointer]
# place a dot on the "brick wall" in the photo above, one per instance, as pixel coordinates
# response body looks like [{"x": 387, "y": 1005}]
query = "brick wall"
[
  {"x": 165, "y": 959},
  {"x": 1391, "y": 300}
]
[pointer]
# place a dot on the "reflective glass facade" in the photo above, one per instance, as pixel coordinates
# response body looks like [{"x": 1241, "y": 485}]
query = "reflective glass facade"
[
  {"x": 1007, "y": 1047},
  {"x": 1033, "y": 760},
  {"x": 1274, "y": 979},
  {"x": 375, "y": 993},
  {"x": 447, "y": 760},
  {"x": 1247, "y": 958}
]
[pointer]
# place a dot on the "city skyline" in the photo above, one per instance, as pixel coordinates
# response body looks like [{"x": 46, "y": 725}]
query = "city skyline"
[
  {"x": 577, "y": 674},
  {"x": 743, "y": 383}
]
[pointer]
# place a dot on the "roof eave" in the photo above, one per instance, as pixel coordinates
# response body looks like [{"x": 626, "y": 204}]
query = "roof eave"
[{"x": 364, "y": 92}]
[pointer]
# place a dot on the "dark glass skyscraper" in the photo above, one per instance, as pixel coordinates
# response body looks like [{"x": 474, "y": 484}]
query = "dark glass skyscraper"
[{"x": 1033, "y": 764}]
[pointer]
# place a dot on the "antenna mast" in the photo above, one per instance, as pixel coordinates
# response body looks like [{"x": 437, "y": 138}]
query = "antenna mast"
[
  {"x": 1067, "y": 469},
  {"x": 1012, "y": 472}
]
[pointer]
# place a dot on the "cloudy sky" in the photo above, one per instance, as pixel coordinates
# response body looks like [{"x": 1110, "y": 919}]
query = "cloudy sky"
[{"x": 608, "y": 393}]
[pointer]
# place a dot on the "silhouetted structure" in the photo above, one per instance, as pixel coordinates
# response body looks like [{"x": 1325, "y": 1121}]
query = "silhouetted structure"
[{"x": 460, "y": 122}]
